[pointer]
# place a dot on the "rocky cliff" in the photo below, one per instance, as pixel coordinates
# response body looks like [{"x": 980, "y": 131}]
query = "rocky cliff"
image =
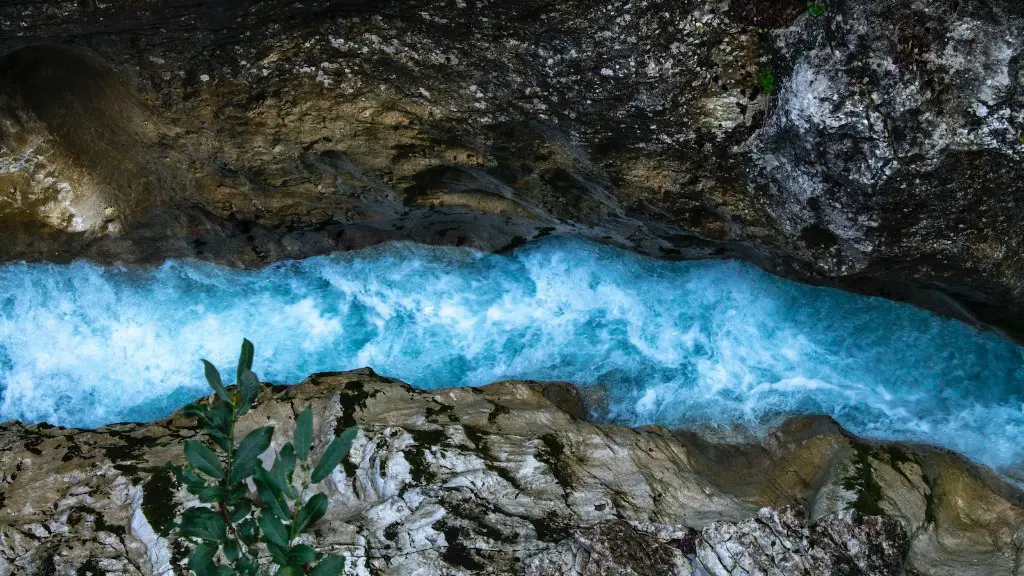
[
  {"x": 876, "y": 145},
  {"x": 511, "y": 478}
]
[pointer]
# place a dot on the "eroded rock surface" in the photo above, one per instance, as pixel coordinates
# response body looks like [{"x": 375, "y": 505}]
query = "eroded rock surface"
[
  {"x": 878, "y": 145},
  {"x": 500, "y": 480}
]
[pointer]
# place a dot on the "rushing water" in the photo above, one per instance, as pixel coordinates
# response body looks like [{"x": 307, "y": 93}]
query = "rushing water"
[{"x": 683, "y": 344}]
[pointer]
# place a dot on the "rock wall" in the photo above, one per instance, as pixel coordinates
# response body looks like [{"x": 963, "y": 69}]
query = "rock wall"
[
  {"x": 877, "y": 146},
  {"x": 508, "y": 479}
]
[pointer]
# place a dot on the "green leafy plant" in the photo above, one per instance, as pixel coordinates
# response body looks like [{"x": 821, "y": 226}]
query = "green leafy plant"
[
  {"x": 229, "y": 529},
  {"x": 815, "y": 9},
  {"x": 766, "y": 78}
]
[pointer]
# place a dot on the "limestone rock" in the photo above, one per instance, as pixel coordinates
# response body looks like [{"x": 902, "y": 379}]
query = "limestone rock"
[{"x": 500, "y": 480}]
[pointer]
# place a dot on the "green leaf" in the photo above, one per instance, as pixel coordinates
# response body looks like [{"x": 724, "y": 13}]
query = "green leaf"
[
  {"x": 245, "y": 359},
  {"x": 313, "y": 510},
  {"x": 336, "y": 450},
  {"x": 211, "y": 494},
  {"x": 254, "y": 444},
  {"x": 232, "y": 550},
  {"x": 278, "y": 553},
  {"x": 236, "y": 493},
  {"x": 225, "y": 571},
  {"x": 189, "y": 478},
  {"x": 219, "y": 440},
  {"x": 203, "y": 523},
  {"x": 197, "y": 411},
  {"x": 211, "y": 420},
  {"x": 248, "y": 533},
  {"x": 200, "y": 560},
  {"x": 249, "y": 388},
  {"x": 274, "y": 529},
  {"x": 270, "y": 492},
  {"x": 204, "y": 459},
  {"x": 245, "y": 566},
  {"x": 303, "y": 434},
  {"x": 278, "y": 481},
  {"x": 239, "y": 512},
  {"x": 213, "y": 378},
  {"x": 220, "y": 420},
  {"x": 301, "y": 554},
  {"x": 329, "y": 566},
  {"x": 284, "y": 464},
  {"x": 288, "y": 571}
]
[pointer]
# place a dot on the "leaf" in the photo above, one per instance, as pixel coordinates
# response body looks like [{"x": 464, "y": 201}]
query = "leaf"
[
  {"x": 219, "y": 439},
  {"x": 240, "y": 512},
  {"x": 245, "y": 566},
  {"x": 232, "y": 550},
  {"x": 284, "y": 464},
  {"x": 220, "y": 420},
  {"x": 189, "y": 478},
  {"x": 254, "y": 444},
  {"x": 249, "y": 388},
  {"x": 284, "y": 467},
  {"x": 278, "y": 553},
  {"x": 236, "y": 493},
  {"x": 329, "y": 566},
  {"x": 301, "y": 554},
  {"x": 245, "y": 359},
  {"x": 248, "y": 532},
  {"x": 287, "y": 488},
  {"x": 213, "y": 378},
  {"x": 203, "y": 523},
  {"x": 204, "y": 459},
  {"x": 274, "y": 529},
  {"x": 303, "y": 433},
  {"x": 197, "y": 411},
  {"x": 313, "y": 510},
  {"x": 211, "y": 494},
  {"x": 200, "y": 560},
  {"x": 336, "y": 450},
  {"x": 269, "y": 492},
  {"x": 278, "y": 482},
  {"x": 288, "y": 571}
]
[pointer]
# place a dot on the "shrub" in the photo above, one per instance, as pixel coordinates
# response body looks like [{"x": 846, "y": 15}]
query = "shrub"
[
  {"x": 766, "y": 78},
  {"x": 228, "y": 531}
]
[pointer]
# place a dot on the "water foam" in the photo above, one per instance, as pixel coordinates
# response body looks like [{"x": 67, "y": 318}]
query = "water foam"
[{"x": 685, "y": 344}]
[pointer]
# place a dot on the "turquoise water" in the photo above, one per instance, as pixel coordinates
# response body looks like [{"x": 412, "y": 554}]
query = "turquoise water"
[{"x": 682, "y": 344}]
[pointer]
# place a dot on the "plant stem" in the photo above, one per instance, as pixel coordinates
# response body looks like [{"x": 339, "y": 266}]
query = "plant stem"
[
  {"x": 297, "y": 504},
  {"x": 227, "y": 474}
]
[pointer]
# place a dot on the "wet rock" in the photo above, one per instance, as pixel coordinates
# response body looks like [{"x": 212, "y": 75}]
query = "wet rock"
[
  {"x": 500, "y": 480},
  {"x": 876, "y": 145}
]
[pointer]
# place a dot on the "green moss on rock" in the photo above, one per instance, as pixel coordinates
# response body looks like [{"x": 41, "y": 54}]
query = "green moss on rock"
[
  {"x": 158, "y": 504},
  {"x": 862, "y": 482}
]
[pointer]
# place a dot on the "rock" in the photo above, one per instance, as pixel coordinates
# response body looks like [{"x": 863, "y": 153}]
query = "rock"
[
  {"x": 877, "y": 146},
  {"x": 500, "y": 480}
]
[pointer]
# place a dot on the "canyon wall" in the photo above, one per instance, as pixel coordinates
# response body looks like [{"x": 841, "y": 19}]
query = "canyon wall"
[{"x": 876, "y": 146}]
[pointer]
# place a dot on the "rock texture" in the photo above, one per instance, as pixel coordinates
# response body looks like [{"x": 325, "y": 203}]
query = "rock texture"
[
  {"x": 507, "y": 480},
  {"x": 878, "y": 146}
]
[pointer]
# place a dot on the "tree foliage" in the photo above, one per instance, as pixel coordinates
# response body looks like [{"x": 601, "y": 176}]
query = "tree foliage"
[{"x": 232, "y": 525}]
